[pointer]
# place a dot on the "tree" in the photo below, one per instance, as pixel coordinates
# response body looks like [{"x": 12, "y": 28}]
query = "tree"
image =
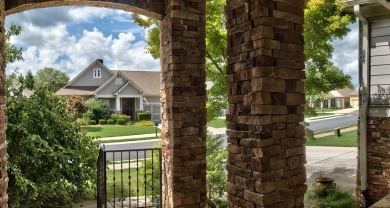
[
  {"x": 12, "y": 52},
  {"x": 50, "y": 79},
  {"x": 51, "y": 162},
  {"x": 75, "y": 107},
  {"x": 96, "y": 109}
]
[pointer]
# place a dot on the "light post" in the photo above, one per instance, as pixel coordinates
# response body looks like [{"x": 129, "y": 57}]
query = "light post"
[{"x": 156, "y": 124}]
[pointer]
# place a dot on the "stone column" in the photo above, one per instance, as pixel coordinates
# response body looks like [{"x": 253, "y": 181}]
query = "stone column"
[
  {"x": 3, "y": 116},
  {"x": 265, "y": 88},
  {"x": 183, "y": 101}
]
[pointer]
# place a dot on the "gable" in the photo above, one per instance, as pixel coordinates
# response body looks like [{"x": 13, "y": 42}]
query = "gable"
[
  {"x": 129, "y": 90},
  {"x": 86, "y": 77},
  {"x": 112, "y": 86}
]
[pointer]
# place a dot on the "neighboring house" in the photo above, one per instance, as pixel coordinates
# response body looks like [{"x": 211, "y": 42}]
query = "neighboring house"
[
  {"x": 340, "y": 98},
  {"x": 16, "y": 85},
  {"x": 125, "y": 92},
  {"x": 354, "y": 99}
]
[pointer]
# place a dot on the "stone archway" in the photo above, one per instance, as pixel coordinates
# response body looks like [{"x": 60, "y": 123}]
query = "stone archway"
[{"x": 265, "y": 88}]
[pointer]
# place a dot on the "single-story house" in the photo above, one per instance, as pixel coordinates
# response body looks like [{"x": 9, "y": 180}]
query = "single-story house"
[
  {"x": 340, "y": 98},
  {"x": 125, "y": 92},
  {"x": 354, "y": 99}
]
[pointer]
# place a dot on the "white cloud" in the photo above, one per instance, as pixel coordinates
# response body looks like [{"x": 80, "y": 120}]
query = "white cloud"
[
  {"x": 50, "y": 44},
  {"x": 346, "y": 54}
]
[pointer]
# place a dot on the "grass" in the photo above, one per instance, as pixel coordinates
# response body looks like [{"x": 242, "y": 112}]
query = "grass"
[
  {"x": 329, "y": 198},
  {"x": 217, "y": 123},
  {"x": 126, "y": 180},
  {"x": 116, "y": 130},
  {"x": 347, "y": 139}
]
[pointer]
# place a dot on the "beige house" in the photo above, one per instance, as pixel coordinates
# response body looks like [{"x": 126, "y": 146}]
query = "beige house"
[
  {"x": 125, "y": 92},
  {"x": 340, "y": 98},
  {"x": 354, "y": 99}
]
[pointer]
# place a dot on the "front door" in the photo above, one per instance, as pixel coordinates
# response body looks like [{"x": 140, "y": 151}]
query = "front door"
[{"x": 128, "y": 107}]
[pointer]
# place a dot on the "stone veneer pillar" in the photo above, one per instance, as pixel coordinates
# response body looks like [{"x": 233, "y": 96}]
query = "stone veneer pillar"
[
  {"x": 265, "y": 88},
  {"x": 3, "y": 116},
  {"x": 183, "y": 100},
  {"x": 378, "y": 159}
]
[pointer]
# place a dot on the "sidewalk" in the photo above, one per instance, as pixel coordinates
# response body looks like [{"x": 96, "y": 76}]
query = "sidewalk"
[{"x": 129, "y": 137}]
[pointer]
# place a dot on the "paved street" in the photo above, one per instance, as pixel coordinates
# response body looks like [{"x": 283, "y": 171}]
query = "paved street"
[{"x": 331, "y": 123}]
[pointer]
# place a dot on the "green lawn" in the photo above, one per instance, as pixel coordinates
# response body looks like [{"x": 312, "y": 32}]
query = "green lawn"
[
  {"x": 126, "y": 180},
  {"x": 217, "y": 123},
  {"x": 116, "y": 130},
  {"x": 347, "y": 139}
]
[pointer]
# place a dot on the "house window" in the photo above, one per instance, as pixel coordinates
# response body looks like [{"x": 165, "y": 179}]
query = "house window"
[
  {"x": 118, "y": 81},
  {"x": 97, "y": 73}
]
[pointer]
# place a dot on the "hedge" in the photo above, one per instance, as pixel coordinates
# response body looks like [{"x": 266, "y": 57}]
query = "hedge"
[
  {"x": 113, "y": 116},
  {"x": 126, "y": 118},
  {"x": 141, "y": 116},
  {"x": 92, "y": 122},
  {"x": 102, "y": 121},
  {"x": 120, "y": 121},
  {"x": 110, "y": 121}
]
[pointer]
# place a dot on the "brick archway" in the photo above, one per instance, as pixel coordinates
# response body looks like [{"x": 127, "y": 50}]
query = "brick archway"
[
  {"x": 153, "y": 8},
  {"x": 265, "y": 88}
]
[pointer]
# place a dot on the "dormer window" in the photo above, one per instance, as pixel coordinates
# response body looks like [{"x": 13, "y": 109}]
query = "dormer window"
[{"x": 97, "y": 73}]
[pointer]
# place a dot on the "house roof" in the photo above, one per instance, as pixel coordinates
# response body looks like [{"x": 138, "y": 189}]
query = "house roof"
[
  {"x": 147, "y": 81},
  {"x": 355, "y": 93},
  {"x": 76, "y": 90},
  {"x": 26, "y": 92},
  {"x": 340, "y": 93}
]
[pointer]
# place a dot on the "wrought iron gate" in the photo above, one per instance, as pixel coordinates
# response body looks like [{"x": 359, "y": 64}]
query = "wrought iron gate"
[{"x": 129, "y": 178}]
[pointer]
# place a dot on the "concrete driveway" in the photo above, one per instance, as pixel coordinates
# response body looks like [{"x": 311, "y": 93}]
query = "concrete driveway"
[{"x": 336, "y": 162}]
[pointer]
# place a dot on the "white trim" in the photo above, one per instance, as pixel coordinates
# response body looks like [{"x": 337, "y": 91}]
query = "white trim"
[{"x": 97, "y": 73}]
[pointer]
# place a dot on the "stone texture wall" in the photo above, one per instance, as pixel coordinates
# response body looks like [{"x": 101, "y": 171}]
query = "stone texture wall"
[
  {"x": 3, "y": 116},
  {"x": 183, "y": 99},
  {"x": 378, "y": 161},
  {"x": 265, "y": 88},
  {"x": 151, "y": 8}
]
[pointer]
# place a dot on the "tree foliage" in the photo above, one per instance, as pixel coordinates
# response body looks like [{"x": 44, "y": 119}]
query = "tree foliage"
[
  {"x": 96, "y": 109},
  {"x": 51, "y": 161},
  {"x": 50, "y": 79},
  {"x": 75, "y": 107},
  {"x": 216, "y": 175},
  {"x": 12, "y": 52}
]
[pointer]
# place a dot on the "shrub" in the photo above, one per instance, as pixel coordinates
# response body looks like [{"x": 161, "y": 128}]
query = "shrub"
[
  {"x": 47, "y": 166},
  {"x": 125, "y": 117},
  {"x": 120, "y": 121},
  {"x": 82, "y": 121},
  {"x": 329, "y": 198},
  {"x": 102, "y": 122},
  {"x": 92, "y": 122},
  {"x": 113, "y": 116},
  {"x": 110, "y": 121},
  {"x": 144, "y": 123},
  {"x": 96, "y": 109},
  {"x": 141, "y": 116}
]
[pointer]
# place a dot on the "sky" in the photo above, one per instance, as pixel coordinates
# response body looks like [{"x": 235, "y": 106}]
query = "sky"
[{"x": 71, "y": 38}]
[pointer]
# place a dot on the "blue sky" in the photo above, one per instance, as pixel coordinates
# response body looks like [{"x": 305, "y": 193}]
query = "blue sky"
[{"x": 71, "y": 38}]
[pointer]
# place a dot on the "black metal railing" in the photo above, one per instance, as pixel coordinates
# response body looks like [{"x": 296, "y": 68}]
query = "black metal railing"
[{"x": 129, "y": 178}]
